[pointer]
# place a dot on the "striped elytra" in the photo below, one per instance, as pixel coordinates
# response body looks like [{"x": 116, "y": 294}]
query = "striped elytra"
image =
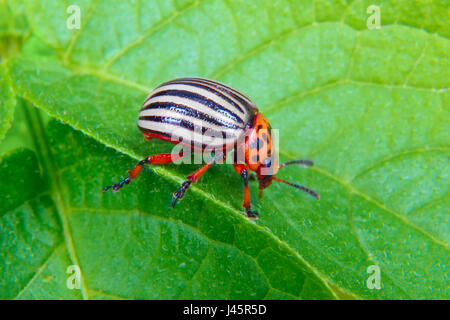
[
  {"x": 198, "y": 112},
  {"x": 208, "y": 115}
]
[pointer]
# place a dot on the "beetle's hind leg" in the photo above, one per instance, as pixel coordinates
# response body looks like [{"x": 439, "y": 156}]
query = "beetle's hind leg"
[{"x": 133, "y": 173}]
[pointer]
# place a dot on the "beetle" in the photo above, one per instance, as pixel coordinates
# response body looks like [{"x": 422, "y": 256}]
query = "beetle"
[{"x": 191, "y": 111}]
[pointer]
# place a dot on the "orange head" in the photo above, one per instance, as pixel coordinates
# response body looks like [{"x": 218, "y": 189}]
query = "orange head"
[{"x": 261, "y": 155}]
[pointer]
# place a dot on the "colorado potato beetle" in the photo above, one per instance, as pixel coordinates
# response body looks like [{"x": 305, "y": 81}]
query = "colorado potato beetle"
[{"x": 206, "y": 115}]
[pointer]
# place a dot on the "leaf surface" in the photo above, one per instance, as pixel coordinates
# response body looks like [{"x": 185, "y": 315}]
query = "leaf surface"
[{"x": 370, "y": 107}]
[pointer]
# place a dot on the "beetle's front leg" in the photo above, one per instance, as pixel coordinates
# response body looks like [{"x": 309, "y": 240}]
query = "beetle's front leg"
[
  {"x": 243, "y": 172},
  {"x": 133, "y": 173}
]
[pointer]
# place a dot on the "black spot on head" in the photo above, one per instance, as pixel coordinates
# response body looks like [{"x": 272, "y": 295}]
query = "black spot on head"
[
  {"x": 260, "y": 127},
  {"x": 259, "y": 143}
]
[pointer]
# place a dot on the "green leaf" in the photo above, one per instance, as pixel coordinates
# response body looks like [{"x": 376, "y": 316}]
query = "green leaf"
[
  {"x": 33, "y": 258},
  {"x": 148, "y": 251},
  {"x": 370, "y": 107},
  {"x": 13, "y": 28},
  {"x": 7, "y": 103}
]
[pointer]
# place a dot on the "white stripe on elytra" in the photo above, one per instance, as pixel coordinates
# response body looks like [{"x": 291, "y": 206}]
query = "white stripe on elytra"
[
  {"x": 196, "y": 106},
  {"x": 194, "y": 120},
  {"x": 228, "y": 88},
  {"x": 187, "y": 136},
  {"x": 207, "y": 94}
]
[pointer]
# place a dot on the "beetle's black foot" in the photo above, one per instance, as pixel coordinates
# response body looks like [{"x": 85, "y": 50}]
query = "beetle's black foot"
[
  {"x": 252, "y": 214},
  {"x": 178, "y": 195},
  {"x": 118, "y": 185}
]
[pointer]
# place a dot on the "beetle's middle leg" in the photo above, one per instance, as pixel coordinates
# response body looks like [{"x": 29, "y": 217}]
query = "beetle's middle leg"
[
  {"x": 133, "y": 173},
  {"x": 193, "y": 177}
]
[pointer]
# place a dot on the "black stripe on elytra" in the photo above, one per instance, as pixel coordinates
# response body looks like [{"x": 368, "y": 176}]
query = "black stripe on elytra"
[
  {"x": 228, "y": 90},
  {"x": 187, "y": 125},
  {"x": 219, "y": 86},
  {"x": 200, "y": 99},
  {"x": 185, "y": 110},
  {"x": 217, "y": 92}
]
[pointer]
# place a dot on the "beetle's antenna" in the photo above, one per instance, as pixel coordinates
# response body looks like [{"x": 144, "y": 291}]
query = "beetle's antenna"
[
  {"x": 305, "y": 163},
  {"x": 311, "y": 192}
]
